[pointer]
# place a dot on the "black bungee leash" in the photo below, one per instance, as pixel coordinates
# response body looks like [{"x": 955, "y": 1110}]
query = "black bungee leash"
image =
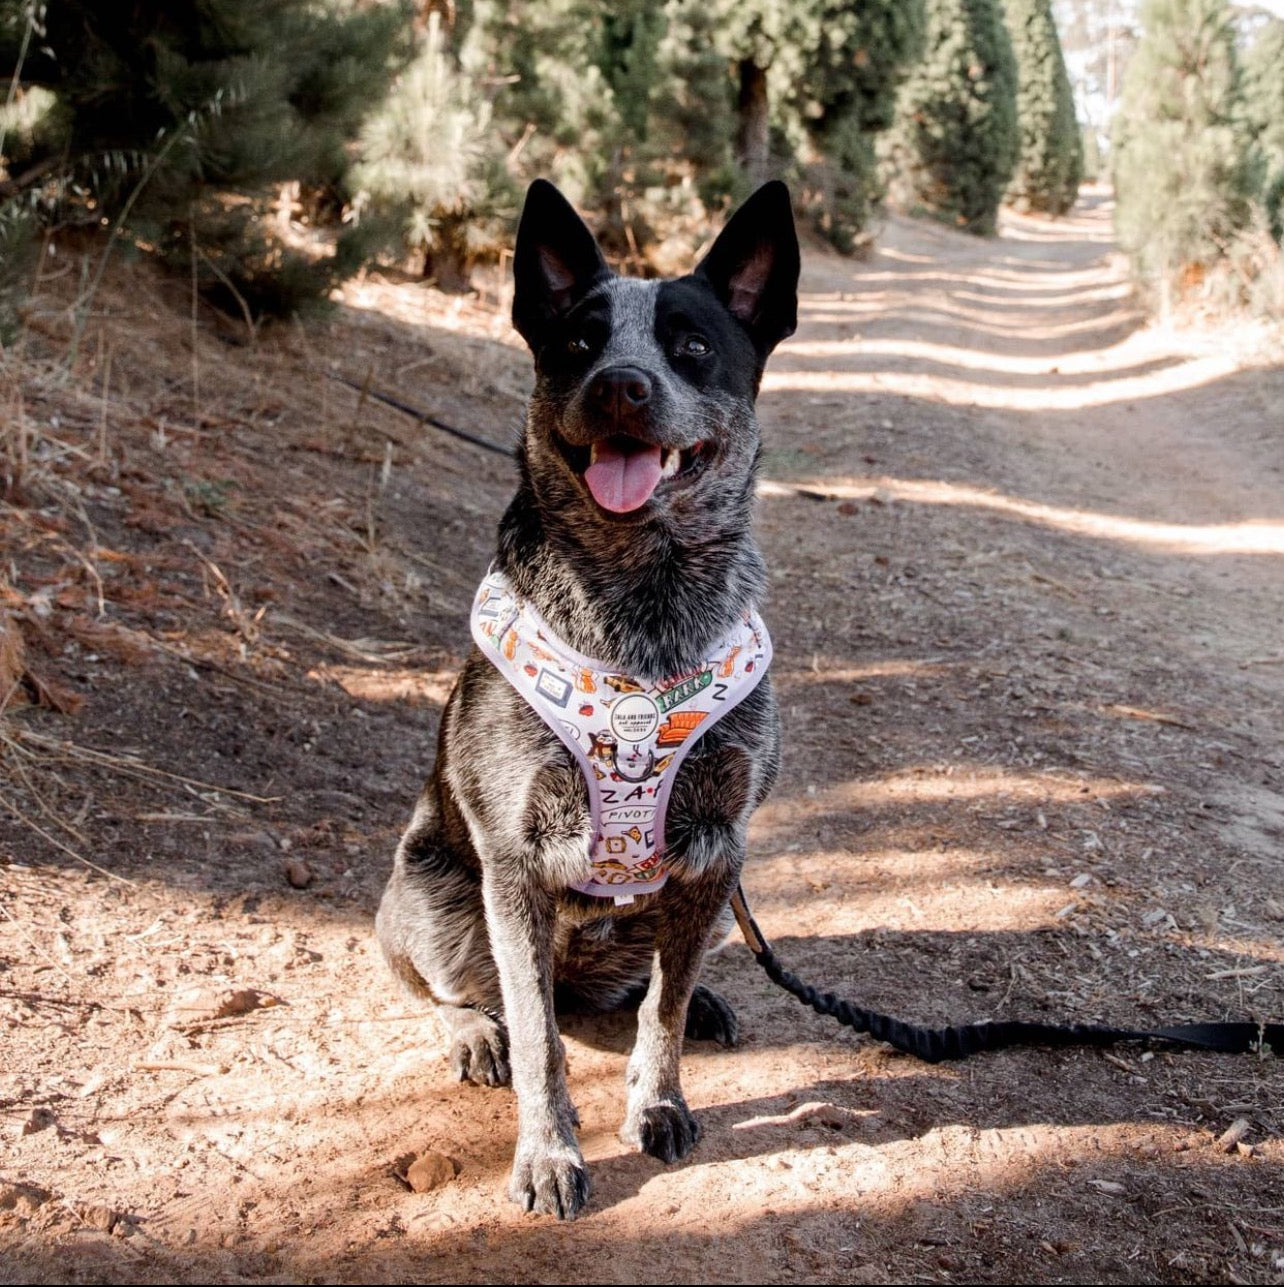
[{"x": 937, "y": 1045}]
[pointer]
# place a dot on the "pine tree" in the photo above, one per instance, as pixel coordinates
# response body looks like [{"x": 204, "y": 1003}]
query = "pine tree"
[
  {"x": 1264, "y": 108},
  {"x": 431, "y": 162},
  {"x": 1180, "y": 156},
  {"x": 1050, "y": 156},
  {"x": 181, "y": 121},
  {"x": 953, "y": 146}
]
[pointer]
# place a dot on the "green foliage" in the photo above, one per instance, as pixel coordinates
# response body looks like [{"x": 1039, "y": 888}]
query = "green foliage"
[
  {"x": 430, "y": 161},
  {"x": 855, "y": 58},
  {"x": 1180, "y": 158},
  {"x": 18, "y": 226},
  {"x": 184, "y": 119},
  {"x": 953, "y": 146},
  {"x": 1263, "y": 85},
  {"x": 205, "y": 129},
  {"x": 1050, "y": 155}
]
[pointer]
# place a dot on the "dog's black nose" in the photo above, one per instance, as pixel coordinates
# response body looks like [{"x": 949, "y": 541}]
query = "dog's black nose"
[{"x": 620, "y": 390}]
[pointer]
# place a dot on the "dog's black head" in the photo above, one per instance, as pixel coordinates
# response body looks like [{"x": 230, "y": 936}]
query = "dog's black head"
[{"x": 643, "y": 406}]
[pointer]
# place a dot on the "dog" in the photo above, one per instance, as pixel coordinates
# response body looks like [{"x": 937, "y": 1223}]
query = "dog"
[{"x": 530, "y": 881}]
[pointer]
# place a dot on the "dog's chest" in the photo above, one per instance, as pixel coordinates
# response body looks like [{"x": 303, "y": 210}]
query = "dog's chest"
[{"x": 628, "y": 736}]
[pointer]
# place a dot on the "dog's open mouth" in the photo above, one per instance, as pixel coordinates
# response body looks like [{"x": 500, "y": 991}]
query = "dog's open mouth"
[{"x": 623, "y": 473}]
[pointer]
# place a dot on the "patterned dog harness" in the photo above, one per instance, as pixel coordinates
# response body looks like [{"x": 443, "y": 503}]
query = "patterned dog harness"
[{"x": 628, "y": 737}]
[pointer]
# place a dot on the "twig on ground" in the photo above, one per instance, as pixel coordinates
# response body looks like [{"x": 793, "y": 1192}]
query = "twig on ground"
[
  {"x": 138, "y": 768},
  {"x": 177, "y": 1065},
  {"x": 58, "y": 844}
]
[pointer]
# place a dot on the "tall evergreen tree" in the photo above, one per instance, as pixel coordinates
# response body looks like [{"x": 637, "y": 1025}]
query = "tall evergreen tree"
[
  {"x": 179, "y": 120},
  {"x": 1050, "y": 154},
  {"x": 953, "y": 146},
  {"x": 854, "y": 60},
  {"x": 1264, "y": 108},
  {"x": 431, "y": 161},
  {"x": 1180, "y": 156}
]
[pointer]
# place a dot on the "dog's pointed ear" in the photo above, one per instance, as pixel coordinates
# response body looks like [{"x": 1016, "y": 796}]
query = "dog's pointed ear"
[
  {"x": 753, "y": 267},
  {"x": 555, "y": 262}
]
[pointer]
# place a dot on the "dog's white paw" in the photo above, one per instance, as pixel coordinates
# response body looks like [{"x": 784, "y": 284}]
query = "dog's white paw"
[
  {"x": 553, "y": 1181},
  {"x": 666, "y": 1129}
]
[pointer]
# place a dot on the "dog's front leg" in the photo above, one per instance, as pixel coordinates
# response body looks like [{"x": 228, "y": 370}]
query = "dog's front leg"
[
  {"x": 548, "y": 1170},
  {"x": 658, "y": 1120}
]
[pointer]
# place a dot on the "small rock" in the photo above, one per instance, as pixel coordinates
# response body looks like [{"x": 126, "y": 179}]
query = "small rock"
[
  {"x": 23, "y": 1199},
  {"x": 822, "y": 1115},
  {"x": 100, "y": 1216},
  {"x": 430, "y": 1171},
  {"x": 298, "y": 873},
  {"x": 1233, "y": 1134},
  {"x": 39, "y": 1119}
]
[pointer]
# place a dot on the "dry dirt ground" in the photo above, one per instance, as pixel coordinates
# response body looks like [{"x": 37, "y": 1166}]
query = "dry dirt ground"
[{"x": 1028, "y": 586}]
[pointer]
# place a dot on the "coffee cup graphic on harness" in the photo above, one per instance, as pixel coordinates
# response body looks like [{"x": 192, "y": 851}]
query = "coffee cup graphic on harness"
[{"x": 628, "y": 736}]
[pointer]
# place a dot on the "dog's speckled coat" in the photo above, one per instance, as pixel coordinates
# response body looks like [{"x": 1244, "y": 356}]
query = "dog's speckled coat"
[{"x": 478, "y": 915}]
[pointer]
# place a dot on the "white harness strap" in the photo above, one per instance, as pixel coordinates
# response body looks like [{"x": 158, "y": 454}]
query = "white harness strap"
[{"x": 628, "y": 737}]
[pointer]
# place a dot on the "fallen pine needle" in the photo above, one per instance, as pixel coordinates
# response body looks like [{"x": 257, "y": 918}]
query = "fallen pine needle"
[
  {"x": 139, "y": 768},
  {"x": 175, "y": 1065},
  {"x": 1154, "y": 717}
]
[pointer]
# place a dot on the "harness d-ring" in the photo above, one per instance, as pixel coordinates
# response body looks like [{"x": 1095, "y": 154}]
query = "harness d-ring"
[{"x": 646, "y": 773}]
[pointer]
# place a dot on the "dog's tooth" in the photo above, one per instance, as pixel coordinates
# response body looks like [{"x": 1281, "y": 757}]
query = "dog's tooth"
[
  {"x": 593, "y": 454},
  {"x": 669, "y": 466}
]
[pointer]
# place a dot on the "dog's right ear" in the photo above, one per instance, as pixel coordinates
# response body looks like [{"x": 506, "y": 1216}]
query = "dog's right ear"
[{"x": 555, "y": 262}]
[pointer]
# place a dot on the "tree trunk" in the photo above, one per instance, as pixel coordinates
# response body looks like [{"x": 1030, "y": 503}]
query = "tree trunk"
[{"x": 751, "y": 133}]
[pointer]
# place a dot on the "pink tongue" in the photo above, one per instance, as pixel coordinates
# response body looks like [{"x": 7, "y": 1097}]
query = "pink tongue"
[{"x": 623, "y": 480}]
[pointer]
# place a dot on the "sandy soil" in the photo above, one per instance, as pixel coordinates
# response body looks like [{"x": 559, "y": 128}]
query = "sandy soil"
[{"x": 1026, "y": 602}]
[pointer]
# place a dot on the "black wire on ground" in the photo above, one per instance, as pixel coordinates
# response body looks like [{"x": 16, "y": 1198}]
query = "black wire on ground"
[{"x": 423, "y": 417}]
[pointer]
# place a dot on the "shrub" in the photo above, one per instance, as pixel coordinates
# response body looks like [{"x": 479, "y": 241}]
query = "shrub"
[
  {"x": 1049, "y": 163},
  {"x": 953, "y": 146}
]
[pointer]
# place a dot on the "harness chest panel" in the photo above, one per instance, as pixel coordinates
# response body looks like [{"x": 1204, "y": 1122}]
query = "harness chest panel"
[{"x": 628, "y": 736}]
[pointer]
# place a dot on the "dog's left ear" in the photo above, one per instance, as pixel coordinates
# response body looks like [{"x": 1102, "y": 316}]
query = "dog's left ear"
[
  {"x": 555, "y": 261},
  {"x": 753, "y": 267}
]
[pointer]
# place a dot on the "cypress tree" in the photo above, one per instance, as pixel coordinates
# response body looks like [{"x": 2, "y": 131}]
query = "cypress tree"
[
  {"x": 1050, "y": 155},
  {"x": 1264, "y": 109},
  {"x": 1180, "y": 157},
  {"x": 854, "y": 60},
  {"x": 953, "y": 146}
]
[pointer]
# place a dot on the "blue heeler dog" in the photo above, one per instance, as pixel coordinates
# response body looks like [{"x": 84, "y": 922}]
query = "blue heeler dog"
[{"x": 613, "y": 728}]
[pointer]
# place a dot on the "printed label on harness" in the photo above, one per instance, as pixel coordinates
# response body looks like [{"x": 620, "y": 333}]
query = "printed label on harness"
[{"x": 634, "y": 717}]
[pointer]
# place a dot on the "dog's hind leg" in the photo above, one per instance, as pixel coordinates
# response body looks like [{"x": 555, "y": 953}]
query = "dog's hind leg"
[{"x": 432, "y": 928}]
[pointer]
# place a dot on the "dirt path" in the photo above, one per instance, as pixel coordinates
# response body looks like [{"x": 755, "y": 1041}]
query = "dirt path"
[{"x": 1026, "y": 603}]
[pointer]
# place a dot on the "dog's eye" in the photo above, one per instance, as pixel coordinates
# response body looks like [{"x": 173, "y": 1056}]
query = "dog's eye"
[
  {"x": 694, "y": 346},
  {"x": 577, "y": 345}
]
